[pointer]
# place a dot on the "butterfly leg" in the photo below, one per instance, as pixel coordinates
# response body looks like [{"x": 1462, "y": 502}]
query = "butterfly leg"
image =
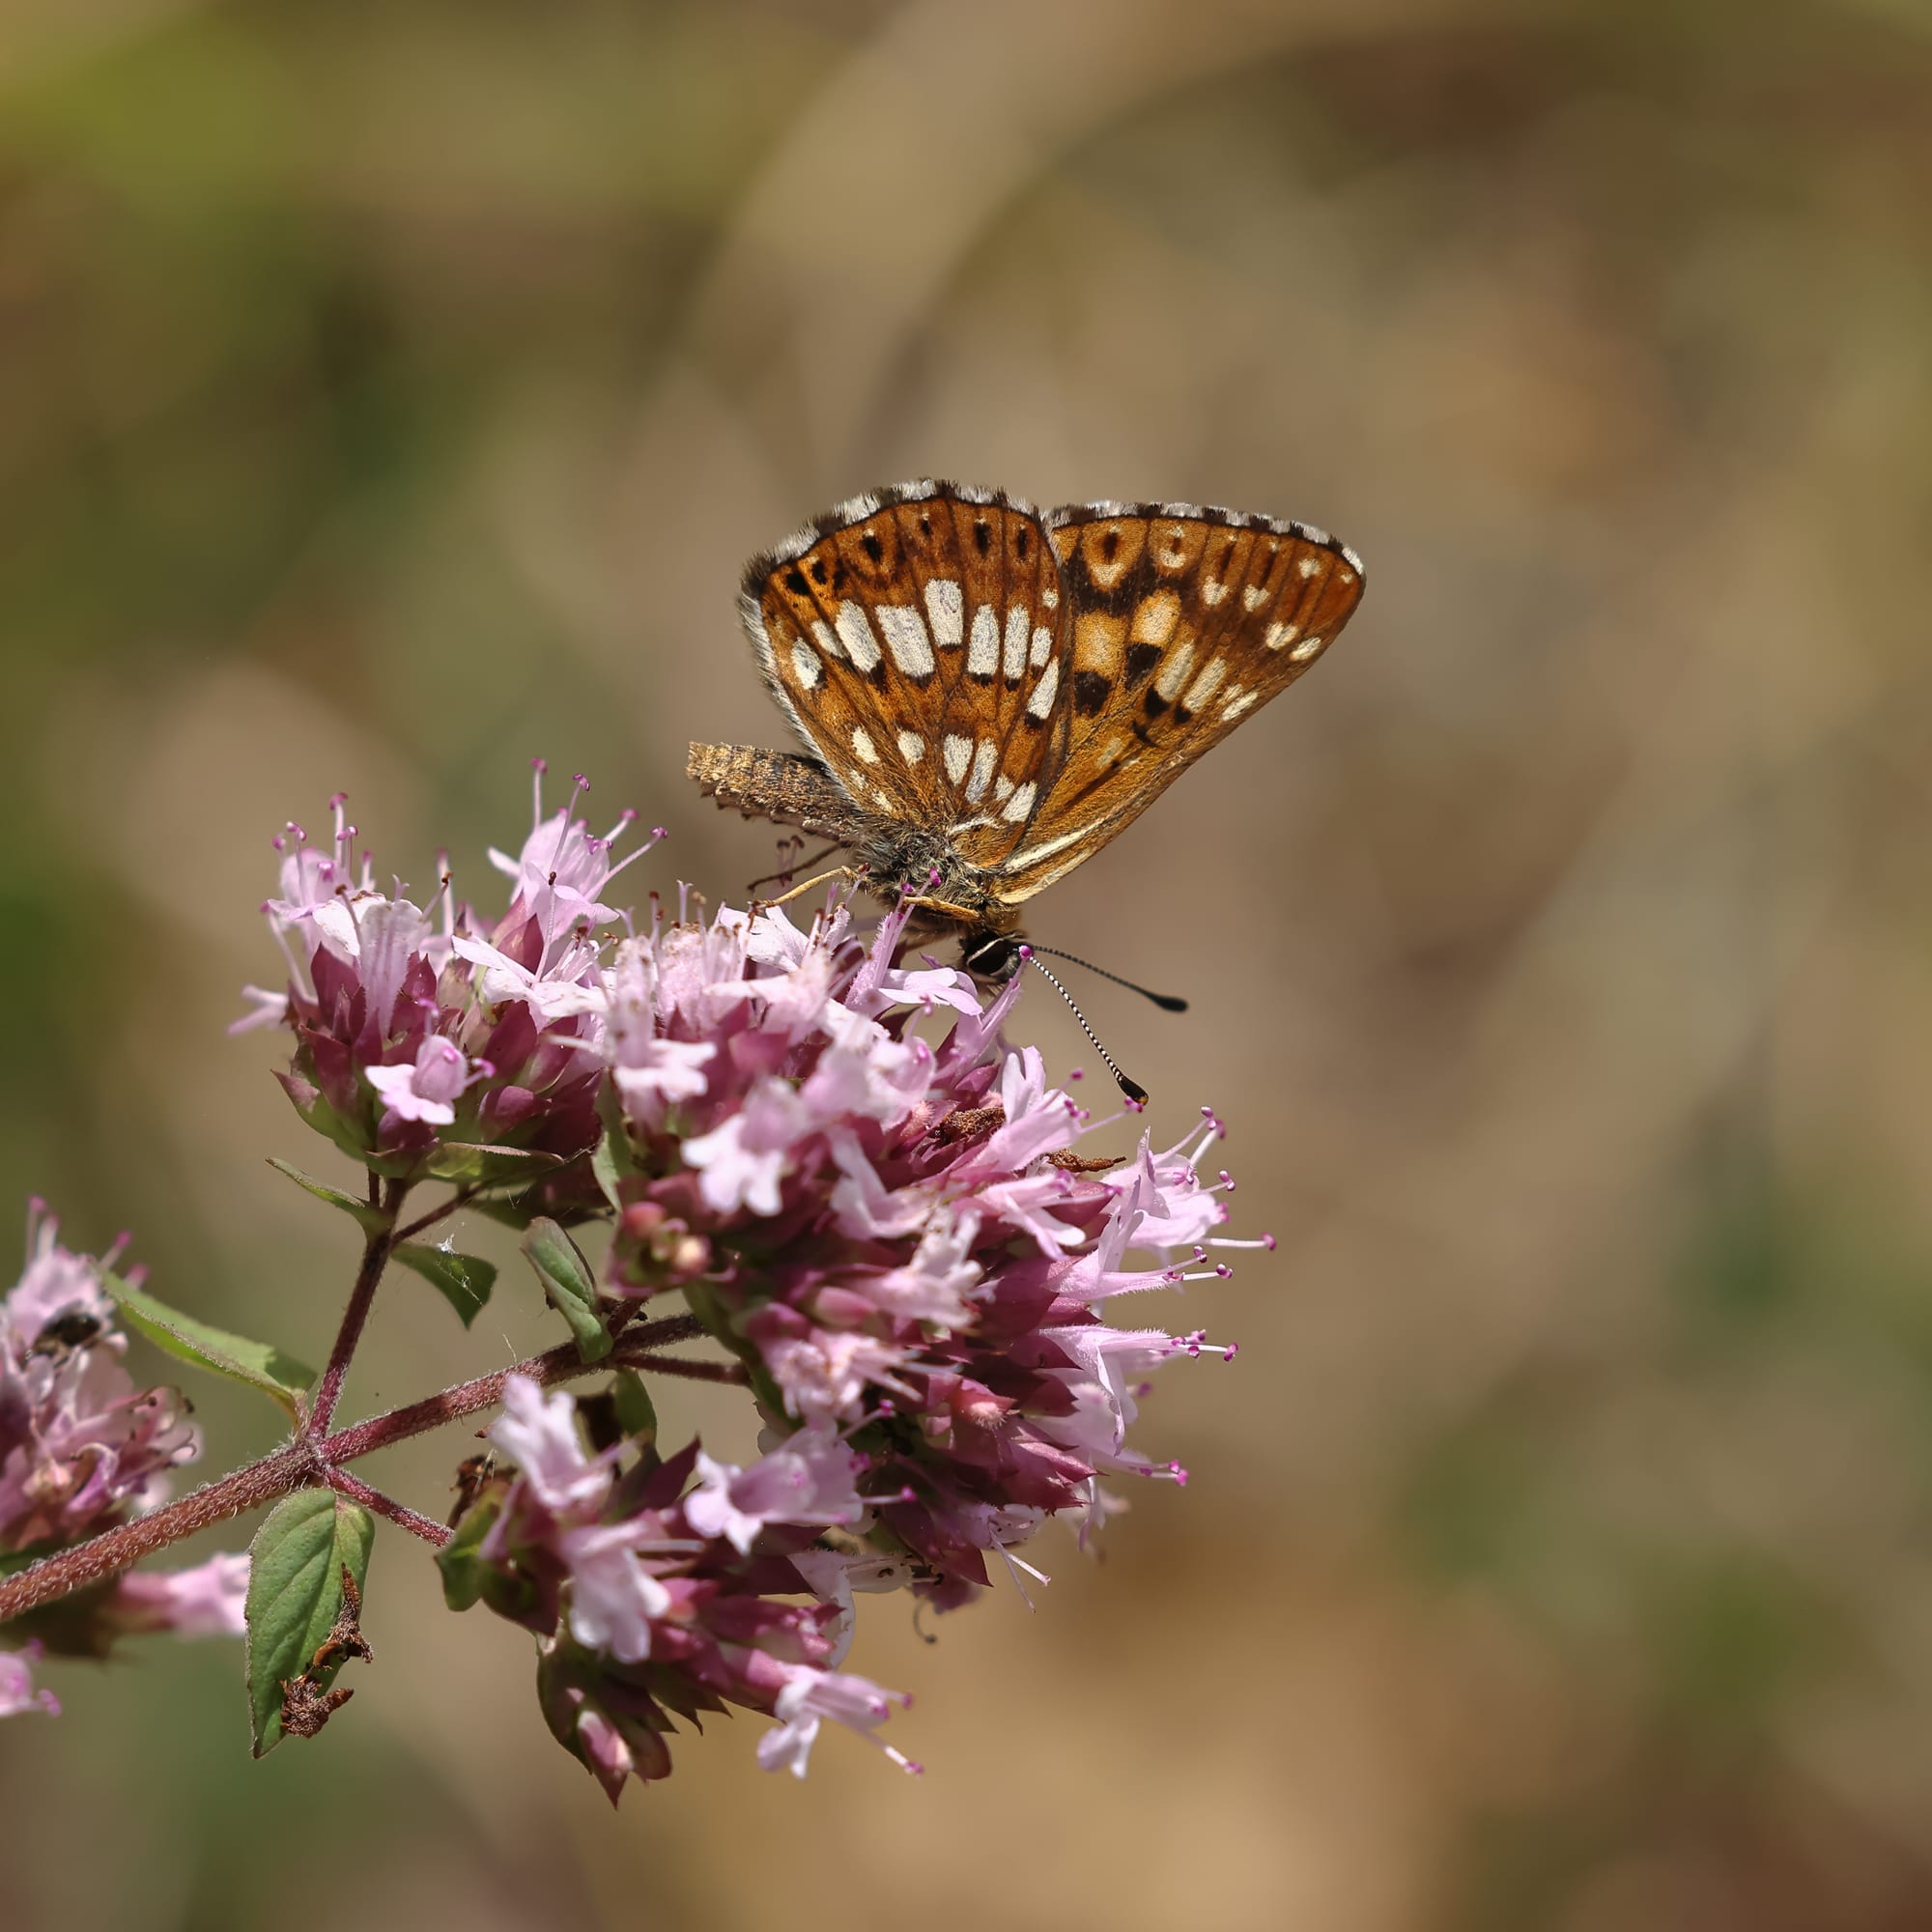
[
  {"x": 946, "y": 909},
  {"x": 853, "y": 872}
]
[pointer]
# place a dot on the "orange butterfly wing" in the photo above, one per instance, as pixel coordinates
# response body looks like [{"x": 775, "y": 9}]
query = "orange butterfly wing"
[
  {"x": 914, "y": 640},
  {"x": 1179, "y": 622}
]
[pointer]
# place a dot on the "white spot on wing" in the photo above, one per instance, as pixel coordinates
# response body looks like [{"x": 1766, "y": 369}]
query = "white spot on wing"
[
  {"x": 821, "y": 635},
  {"x": 982, "y": 771},
  {"x": 855, "y": 633},
  {"x": 1309, "y": 565},
  {"x": 805, "y": 665},
  {"x": 912, "y": 747},
  {"x": 1254, "y": 596},
  {"x": 1237, "y": 704},
  {"x": 1042, "y": 645},
  {"x": 1020, "y": 803},
  {"x": 983, "y": 653},
  {"x": 1155, "y": 616},
  {"x": 1014, "y": 660},
  {"x": 1173, "y": 674},
  {"x": 862, "y": 743},
  {"x": 1213, "y": 591},
  {"x": 1002, "y": 787},
  {"x": 906, "y": 639},
  {"x": 957, "y": 752},
  {"x": 943, "y": 607},
  {"x": 1280, "y": 633},
  {"x": 1040, "y": 703},
  {"x": 1205, "y": 685},
  {"x": 1305, "y": 650},
  {"x": 1049, "y": 597}
]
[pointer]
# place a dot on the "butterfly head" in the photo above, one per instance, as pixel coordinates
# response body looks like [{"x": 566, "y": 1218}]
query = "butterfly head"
[{"x": 992, "y": 956}]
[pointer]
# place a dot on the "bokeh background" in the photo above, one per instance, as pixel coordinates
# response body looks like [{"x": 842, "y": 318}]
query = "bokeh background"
[{"x": 388, "y": 394}]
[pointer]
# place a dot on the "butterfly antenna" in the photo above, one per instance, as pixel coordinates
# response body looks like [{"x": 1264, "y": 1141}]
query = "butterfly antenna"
[
  {"x": 1132, "y": 1089},
  {"x": 1166, "y": 1002}
]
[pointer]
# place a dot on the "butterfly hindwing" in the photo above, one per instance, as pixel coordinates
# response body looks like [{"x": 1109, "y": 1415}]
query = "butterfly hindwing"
[
  {"x": 1181, "y": 622},
  {"x": 909, "y": 636}
]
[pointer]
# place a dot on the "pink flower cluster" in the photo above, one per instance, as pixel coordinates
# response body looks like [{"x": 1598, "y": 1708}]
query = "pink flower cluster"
[
  {"x": 894, "y": 1236},
  {"x": 419, "y": 1024},
  {"x": 82, "y": 1448},
  {"x": 655, "y": 1595}
]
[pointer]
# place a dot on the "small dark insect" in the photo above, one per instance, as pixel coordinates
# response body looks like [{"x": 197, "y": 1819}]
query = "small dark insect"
[{"x": 74, "y": 1328}]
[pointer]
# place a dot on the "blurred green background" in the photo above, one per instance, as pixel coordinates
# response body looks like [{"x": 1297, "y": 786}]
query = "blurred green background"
[{"x": 388, "y": 394}]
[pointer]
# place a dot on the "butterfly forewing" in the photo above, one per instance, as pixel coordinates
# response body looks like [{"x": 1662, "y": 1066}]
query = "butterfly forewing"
[
  {"x": 1179, "y": 622},
  {"x": 914, "y": 640}
]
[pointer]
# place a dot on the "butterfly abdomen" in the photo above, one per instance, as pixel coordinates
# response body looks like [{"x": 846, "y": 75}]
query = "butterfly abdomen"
[{"x": 778, "y": 785}]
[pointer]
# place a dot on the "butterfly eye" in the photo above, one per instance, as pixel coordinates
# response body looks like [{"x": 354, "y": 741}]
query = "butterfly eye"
[{"x": 993, "y": 957}]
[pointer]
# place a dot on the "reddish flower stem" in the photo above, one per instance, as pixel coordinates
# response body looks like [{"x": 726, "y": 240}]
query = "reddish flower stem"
[
  {"x": 375, "y": 1258},
  {"x": 357, "y": 1490},
  {"x": 297, "y": 1464}
]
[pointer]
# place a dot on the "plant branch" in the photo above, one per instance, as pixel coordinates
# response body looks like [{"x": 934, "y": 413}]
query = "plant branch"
[
  {"x": 119, "y": 1548},
  {"x": 376, "y": 1253},
  {"x": 296, "y": 1465},
  {"x": 357, "y": 1490},
  {"x": 462, "y": 1198}
]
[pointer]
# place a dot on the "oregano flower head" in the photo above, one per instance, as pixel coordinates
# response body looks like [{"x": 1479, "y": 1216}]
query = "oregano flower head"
[{"x": 773, "y": 1153}]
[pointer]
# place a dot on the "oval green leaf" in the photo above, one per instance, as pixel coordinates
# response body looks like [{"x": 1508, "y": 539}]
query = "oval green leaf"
[
  {"x": 570, "y": 1285},
  {"x": 259, "y": 1365},
  {"x": 295, "y": 1594},
  {"x": 464, "y": 1281}
]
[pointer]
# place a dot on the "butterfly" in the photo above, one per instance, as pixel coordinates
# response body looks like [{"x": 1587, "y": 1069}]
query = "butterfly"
[{"x": 989, "y": 695}]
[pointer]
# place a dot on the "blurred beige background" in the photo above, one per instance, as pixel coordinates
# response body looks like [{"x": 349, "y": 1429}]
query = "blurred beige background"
[{"x": 390, "y": 394}]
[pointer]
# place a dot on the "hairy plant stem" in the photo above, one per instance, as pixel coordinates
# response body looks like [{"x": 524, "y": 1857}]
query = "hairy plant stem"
[
  {"x": 317, "y": 1458},
  {"x": 376, "y": 1252}
]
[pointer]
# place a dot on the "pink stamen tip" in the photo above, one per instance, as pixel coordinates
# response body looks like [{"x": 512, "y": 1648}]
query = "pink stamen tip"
[
  {"x": 1224, "y": 1270},
  {"x": 581, "y": 782},
  {"x": 1232, "y": 1350},
  {"x": 1180, "y": 1475},
  {"x": 1026, "y": 951},
  {"x": 1136, "y": 1106},
  {"x": 1076, "y": 1074},
  {"x": 1269, "y": 1242},
  {"x": 337, "y": 800},
  {"x": 539, "y": 764},
  {"x": 1226, "y": 1179},
  {"x": 660, "y": 831}
]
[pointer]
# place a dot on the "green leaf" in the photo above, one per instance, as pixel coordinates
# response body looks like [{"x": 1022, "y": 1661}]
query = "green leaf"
[
  {"x": 613, "y": 1159},
  {"x": 259, "y": 1364},
  {"x": 475, "y": 1165},
  {"x": 308, "y": 1101},
  {"x": 295, "y": 1594},
  {"x": 464, "y": 1576},
  {"x": 464, "y": 1281},
  {"x": 372, "y": 1220},
  {"x": 637, "y": 1414},
  {"x": 569, "y": 1284}
]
